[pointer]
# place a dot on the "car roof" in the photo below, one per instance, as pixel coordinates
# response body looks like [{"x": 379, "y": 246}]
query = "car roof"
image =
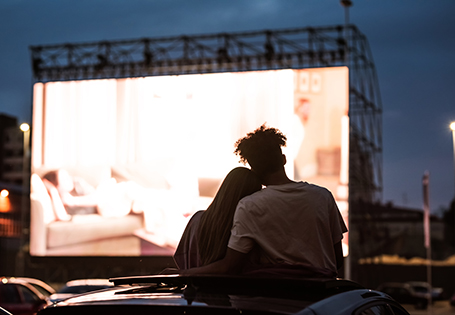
[
  {"x": 223, "y": 293},
  {"x": 233, "y": 282},
  {"x": 259, "y": 286}
]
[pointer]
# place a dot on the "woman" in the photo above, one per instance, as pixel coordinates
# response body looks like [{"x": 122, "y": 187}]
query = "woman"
[
  {"x": 74, "y": 196},
  {"x": 207, "y": 234},
  {"x": 69, "y": 198}
]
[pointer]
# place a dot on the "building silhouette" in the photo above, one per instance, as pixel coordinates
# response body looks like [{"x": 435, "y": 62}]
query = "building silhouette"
[{"x": 13, "y": 197}]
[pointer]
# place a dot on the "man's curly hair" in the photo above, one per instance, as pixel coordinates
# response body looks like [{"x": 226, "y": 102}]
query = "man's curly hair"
[{"x": 262, "y": 150}]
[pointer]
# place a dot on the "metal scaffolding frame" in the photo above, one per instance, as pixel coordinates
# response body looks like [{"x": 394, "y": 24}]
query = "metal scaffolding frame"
[{"x": 296, "y": 48}]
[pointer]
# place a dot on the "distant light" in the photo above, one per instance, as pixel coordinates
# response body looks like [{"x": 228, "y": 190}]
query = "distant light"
[
  {"x": 452, "y": 126},
  {"x": 24, "y": 127},
  {"x": 4, "y": 193},
  {"x": 4, "y": 280}
]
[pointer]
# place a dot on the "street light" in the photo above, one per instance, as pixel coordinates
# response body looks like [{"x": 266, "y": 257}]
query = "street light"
[
  {"x": 5, "y": 204},
  {"x": 4, "y": 193},
  {"x": 25, "y": 182},
  {"x": 452, "y": 126},
  {"x": 346, "y": 4}
]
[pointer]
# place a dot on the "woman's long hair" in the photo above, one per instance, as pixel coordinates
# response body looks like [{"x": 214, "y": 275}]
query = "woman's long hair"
[{"x": 216, "y": 223}]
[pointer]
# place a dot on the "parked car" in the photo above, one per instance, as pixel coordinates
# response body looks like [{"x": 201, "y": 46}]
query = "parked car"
[
  {"x": 437, "y": 294},
  {"x": 75, "y": 287},
  {"x": 20, "y": 298},
  {"x": 405, "y": 293},
  {"x": 174, "y": 294}
]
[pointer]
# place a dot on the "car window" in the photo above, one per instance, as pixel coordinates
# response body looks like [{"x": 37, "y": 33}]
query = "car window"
[
  {"x": 28, "y": 295},
  {"x": 9, "y": 294},
  {"x": 42, "y": 290}
]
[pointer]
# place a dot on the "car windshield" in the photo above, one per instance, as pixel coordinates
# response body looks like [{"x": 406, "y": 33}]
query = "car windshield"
[
  {"x": 42, "y": 290},
  {"x": 76, "y": 289}
]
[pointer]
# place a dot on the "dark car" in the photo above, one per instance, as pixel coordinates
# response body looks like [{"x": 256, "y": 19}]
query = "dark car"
[
  {"x": 228, "y": 295},
  {"x": 405, "y": 293},
  {"x": 437, "y": 294},
  {"x": 20, "y": 298}
]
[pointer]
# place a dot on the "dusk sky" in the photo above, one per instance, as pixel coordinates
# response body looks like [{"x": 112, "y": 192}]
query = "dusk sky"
[{"x": 412, "y": 42}]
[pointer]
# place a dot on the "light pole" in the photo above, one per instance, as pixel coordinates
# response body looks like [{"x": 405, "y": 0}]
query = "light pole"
[
  {"x": 346, "y": 4},
  {"x": 25, "y": 128},
  {"x": 452, "y": 126}
]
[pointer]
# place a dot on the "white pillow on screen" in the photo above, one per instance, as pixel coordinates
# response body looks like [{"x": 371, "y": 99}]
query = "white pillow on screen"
[
  {"x": 57, "y": 204},
  {"x": 39, "y": 192}
]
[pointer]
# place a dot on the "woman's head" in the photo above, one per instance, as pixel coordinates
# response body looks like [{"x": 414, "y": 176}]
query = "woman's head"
[
  {"x": 238, "y": 183},
  {"x": 216, "y": 223}
]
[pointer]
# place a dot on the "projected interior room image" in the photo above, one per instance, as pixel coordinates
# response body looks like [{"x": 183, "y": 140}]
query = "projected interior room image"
[{"x": 120, "y": 165}]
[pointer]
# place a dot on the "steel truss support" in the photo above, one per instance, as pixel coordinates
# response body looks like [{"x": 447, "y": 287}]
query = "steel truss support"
[{"x": 308, "y": 47}]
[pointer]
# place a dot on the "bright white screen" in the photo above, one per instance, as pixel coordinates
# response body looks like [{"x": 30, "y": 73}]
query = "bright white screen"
[{"x": 155, "y": 149}]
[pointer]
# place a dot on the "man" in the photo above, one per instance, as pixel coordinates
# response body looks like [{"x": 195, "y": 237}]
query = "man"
[{"x": 286, "y": 226}]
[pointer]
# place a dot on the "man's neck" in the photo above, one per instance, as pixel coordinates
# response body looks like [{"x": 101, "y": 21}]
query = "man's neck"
[{"x": 277, "y": 178}]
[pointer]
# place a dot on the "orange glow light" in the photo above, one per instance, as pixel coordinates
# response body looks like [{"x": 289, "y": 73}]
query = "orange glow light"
[
  {"x": 4, "y": 193},
  {"x": 5, "y": 204}
]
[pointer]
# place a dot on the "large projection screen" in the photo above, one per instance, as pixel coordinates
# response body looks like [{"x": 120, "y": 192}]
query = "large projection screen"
[{"x": 120, "y": 165}]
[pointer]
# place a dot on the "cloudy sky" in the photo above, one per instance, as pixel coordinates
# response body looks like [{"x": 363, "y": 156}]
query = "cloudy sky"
[{"x": 412, "y": 42}]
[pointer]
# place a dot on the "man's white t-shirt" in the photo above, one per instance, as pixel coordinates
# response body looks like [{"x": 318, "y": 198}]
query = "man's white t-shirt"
[{"x": 293, "y": 224}]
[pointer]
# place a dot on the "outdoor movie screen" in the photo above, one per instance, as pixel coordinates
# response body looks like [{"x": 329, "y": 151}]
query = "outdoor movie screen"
[{"x": 120, "y": 165}]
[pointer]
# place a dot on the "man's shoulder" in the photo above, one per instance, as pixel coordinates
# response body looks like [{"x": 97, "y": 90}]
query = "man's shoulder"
[
  {"x": 317, "y": 188},
  {"x": 287, "y": 189},
  {"x": 258, "y": 195},
  {"x": 308, "y": 191},
  {"x": 278, "y": 191},
  {"x": 299, "y": 186}
]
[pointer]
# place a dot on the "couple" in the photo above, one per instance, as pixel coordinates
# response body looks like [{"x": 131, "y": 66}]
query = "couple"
[{"x": 288, "y": 228}]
